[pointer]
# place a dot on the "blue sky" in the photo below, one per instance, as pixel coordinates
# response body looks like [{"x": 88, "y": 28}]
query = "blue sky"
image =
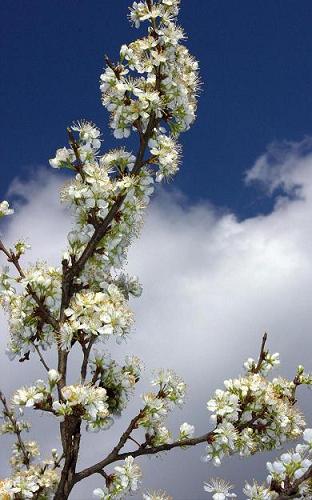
[{"x": 256, "y": 69}]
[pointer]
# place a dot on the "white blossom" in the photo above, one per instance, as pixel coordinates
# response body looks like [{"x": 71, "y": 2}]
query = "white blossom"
[
  {"x": 186, "y": 431},
  {"x": 5, "y": 209},
  {"x": 220, "y": 489}
]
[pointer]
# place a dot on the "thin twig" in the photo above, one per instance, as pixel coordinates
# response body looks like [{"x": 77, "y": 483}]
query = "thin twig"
[
  {"x": 262, "y": 355},
  {"x": 41, "y": 357},
  {"x": 86, "y": 354},
  {"x": 134, "y": 441},
  {"x": 103, "y": 474},
  {"x": 10, "y": 416},
  {"x": 75, "y": 148}
]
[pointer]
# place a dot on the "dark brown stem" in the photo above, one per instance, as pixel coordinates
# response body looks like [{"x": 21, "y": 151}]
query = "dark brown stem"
[
  {"x": 62, "y": 369},
  {"x": 75, "y": 148},
  {"x": 41, "y": 358},
  {"x": 262, "y": 355},
  {"x": 58, "y": 462},
  {"x": 134, "y": 441},
  {"x": 103, "y": 474},
  {"x": 114, "y": 456},
  {"x": 71, "y": 443},
  {"x": 86, "y": 353},
  {"x": 97, "y": 373}
]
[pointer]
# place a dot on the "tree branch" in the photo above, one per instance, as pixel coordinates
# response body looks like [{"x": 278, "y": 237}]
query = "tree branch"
[
  {"x": 10, "y": 416},
  {"x": 145, "y": 449},
  {"x": 86, "y": 354},
  {"x": 43, "y": 311},
  {"x": 41, "y": 358},
  {"x": 114, "y": 456},
  {"x": 262, "y": 354},
  {"x": 75, "y": 148}
]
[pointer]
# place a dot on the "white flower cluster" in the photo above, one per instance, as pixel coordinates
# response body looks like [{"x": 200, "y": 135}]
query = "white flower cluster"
[
  {"x": 118, "y": 381},
  {"x": 253, "y": 414},
  {"x": 285, "y": 473},
  {"x": 8, "y": 428},
  {"x": 271, "y": 361},
  {"x": 171, "y": 386},
  {"x": 157, "y": 406},
  {"x": 165, "y": 87},
  {"x": 87, "y": 147},
  {"x": 92, "y": 197},
  {"x": 186, "y": 431},
  {"x": 124, "y": 481},
  {"x": 220, "y": 489},
  {"x": 92, "y": 194},
  {"x": 25, "y": 323},
  {"x": 99, "y": 183},
  {"x": 129, "y": 285},
  {"x": 258, "y": 492},
  {"x": 5, "y": 209},
  {"x": 87, "y": 401},
  {"x": 18, "y": 459},
  {"x": 141, "y": 12},
  {"x": 167, "y": 153},
  {"x": 99, "y": 314},
  {"x": 38, "y": 395},
  {"x": 35, "y": 396},
  {"x": 20, "y": 248},
  {"x": 27, "y": 483},
  {"x": 302, "y": 377},
  {"x": 28, "y": 477}
]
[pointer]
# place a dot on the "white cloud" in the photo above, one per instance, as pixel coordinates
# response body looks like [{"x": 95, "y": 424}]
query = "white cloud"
[{"x": 212, "y": 286}]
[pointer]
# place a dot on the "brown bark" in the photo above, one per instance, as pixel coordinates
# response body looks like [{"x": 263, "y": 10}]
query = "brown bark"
[{"x": 70, "y": 432}]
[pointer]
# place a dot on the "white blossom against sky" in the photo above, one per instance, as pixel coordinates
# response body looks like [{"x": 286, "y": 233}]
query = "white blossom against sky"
[{"x": 212, "y": 285}]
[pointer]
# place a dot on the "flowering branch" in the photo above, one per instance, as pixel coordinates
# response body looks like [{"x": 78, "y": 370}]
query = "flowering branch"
[
  {"x": 152, "y": 92},
  {"x": 42, "y": 310},
  {"x": 8, "y": 414}
]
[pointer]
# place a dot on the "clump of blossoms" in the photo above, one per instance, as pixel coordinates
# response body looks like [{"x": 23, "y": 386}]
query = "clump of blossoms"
[
  {"x": 87, "y": 401},
  {"x": 5, "y": 209},
  {"x": 186, "y": 431},
  {"x": 150, "y": 91},
  {"x": 39, "y": 284},
  {"x": 123, "y": 481},
  {"x": 30, "y": 478},
  {"x": 31, "y": 483},
  {"x": 171, "y": 393},
  {"x": 32, "y": 397},
  {"x": 98, "y": 314},
  {"x": 118, "y": 381},
  {"x": 220, "y": 489},
  {"x": 253, "y": 414},
  {"x": 289, "y": 477}
]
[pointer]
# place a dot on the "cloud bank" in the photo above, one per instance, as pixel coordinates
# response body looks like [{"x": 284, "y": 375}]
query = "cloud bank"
[{"x": 212, "y": 285}]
